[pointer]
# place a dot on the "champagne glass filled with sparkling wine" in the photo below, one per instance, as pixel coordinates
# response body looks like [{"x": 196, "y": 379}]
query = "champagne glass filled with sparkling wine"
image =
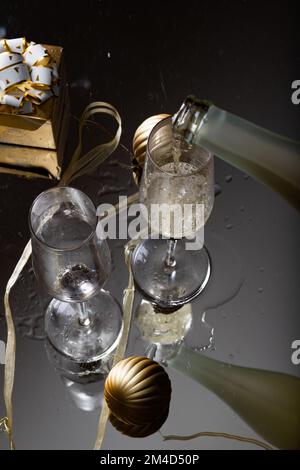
[
  {"x": 177, "y": 188},
  {"x": 71, "y": 262}
]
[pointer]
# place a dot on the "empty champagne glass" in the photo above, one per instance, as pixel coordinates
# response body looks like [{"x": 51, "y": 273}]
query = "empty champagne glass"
[
  {"x": 71, "y": 262},
  {"x": 181, "y": 176}
]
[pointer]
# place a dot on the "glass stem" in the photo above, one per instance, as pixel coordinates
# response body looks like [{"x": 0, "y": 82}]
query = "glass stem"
[
  {"x": 170, "y": 261},
  {"x": 83, "y": 314}
]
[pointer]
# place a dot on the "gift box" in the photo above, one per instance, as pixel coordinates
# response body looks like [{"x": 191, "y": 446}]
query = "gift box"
[{"x": 33, "y": 136}]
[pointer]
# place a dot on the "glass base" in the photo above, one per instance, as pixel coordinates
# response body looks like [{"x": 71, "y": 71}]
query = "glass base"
[
  {"x": 169, "y": 288},
  {"x": 85, "y": 343}
]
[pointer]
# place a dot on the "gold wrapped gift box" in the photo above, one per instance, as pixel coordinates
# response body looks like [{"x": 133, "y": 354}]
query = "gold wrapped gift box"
[{"x": 32, "y": 145}]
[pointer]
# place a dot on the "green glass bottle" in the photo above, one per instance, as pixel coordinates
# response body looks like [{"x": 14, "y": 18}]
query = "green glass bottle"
[{"x": 269, "y": 157}]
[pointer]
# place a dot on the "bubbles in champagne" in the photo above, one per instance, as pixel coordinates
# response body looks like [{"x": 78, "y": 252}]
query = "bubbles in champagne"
[{"x": 185, "y": 179}]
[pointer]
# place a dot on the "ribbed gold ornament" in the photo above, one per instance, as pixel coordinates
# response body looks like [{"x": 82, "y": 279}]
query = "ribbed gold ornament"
[
  {"x": 138, "y": 430},
  {"x": 137, "y": 392},
  {"x": 139, "y": 143}
]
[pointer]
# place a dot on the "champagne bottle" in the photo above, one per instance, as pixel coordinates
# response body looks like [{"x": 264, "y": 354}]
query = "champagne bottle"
[{"x": 268, "y": 157}]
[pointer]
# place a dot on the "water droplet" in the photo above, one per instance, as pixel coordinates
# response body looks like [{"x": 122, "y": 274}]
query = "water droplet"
[
  {"x": 245, "y": 176},
  {"x": 261, "y": 269},
  {"x": 228, "y": 178},
  {"x": 260, "y": 290},
  {"x": 218, "y": 189},
  {"x": 242, "y": 209},
  {"x": 229, "y": 226}
]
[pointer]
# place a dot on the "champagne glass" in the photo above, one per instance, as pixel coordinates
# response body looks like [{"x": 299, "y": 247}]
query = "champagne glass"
[
  {"x": 175, "y": 173},
  {"x": 71, "y": 262}
]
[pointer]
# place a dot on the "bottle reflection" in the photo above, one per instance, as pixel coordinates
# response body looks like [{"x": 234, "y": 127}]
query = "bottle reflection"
[{"x": 269, "y": 402}]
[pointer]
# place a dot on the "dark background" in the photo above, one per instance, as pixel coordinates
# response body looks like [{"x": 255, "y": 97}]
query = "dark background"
[
  {"x": 241, "y": 54},
  {"x": 144, "y": 58}
]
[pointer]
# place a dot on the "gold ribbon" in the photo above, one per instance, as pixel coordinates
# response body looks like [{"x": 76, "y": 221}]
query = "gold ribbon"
[
  {"x": 97, "y": 155},
  {"x": 224, "y": 435},
  {"x": 10, "y": 355},
  {"x": 128, "y": 299},
  {"x": 28, "y": 75},
  {"x": 77, "y": 167}
]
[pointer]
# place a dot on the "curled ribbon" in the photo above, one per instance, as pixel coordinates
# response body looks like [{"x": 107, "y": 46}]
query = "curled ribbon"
[{"x": 28, "y": 74}]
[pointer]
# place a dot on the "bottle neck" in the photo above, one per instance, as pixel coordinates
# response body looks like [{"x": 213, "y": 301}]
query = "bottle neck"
[{"x": 190, "y": 118}]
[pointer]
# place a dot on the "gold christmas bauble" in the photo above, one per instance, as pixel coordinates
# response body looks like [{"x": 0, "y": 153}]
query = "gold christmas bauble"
[
  {"x": 137, "y": 390},
  {"x": 138, "y": 430},
  {"x": 139, "y": 143}
]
